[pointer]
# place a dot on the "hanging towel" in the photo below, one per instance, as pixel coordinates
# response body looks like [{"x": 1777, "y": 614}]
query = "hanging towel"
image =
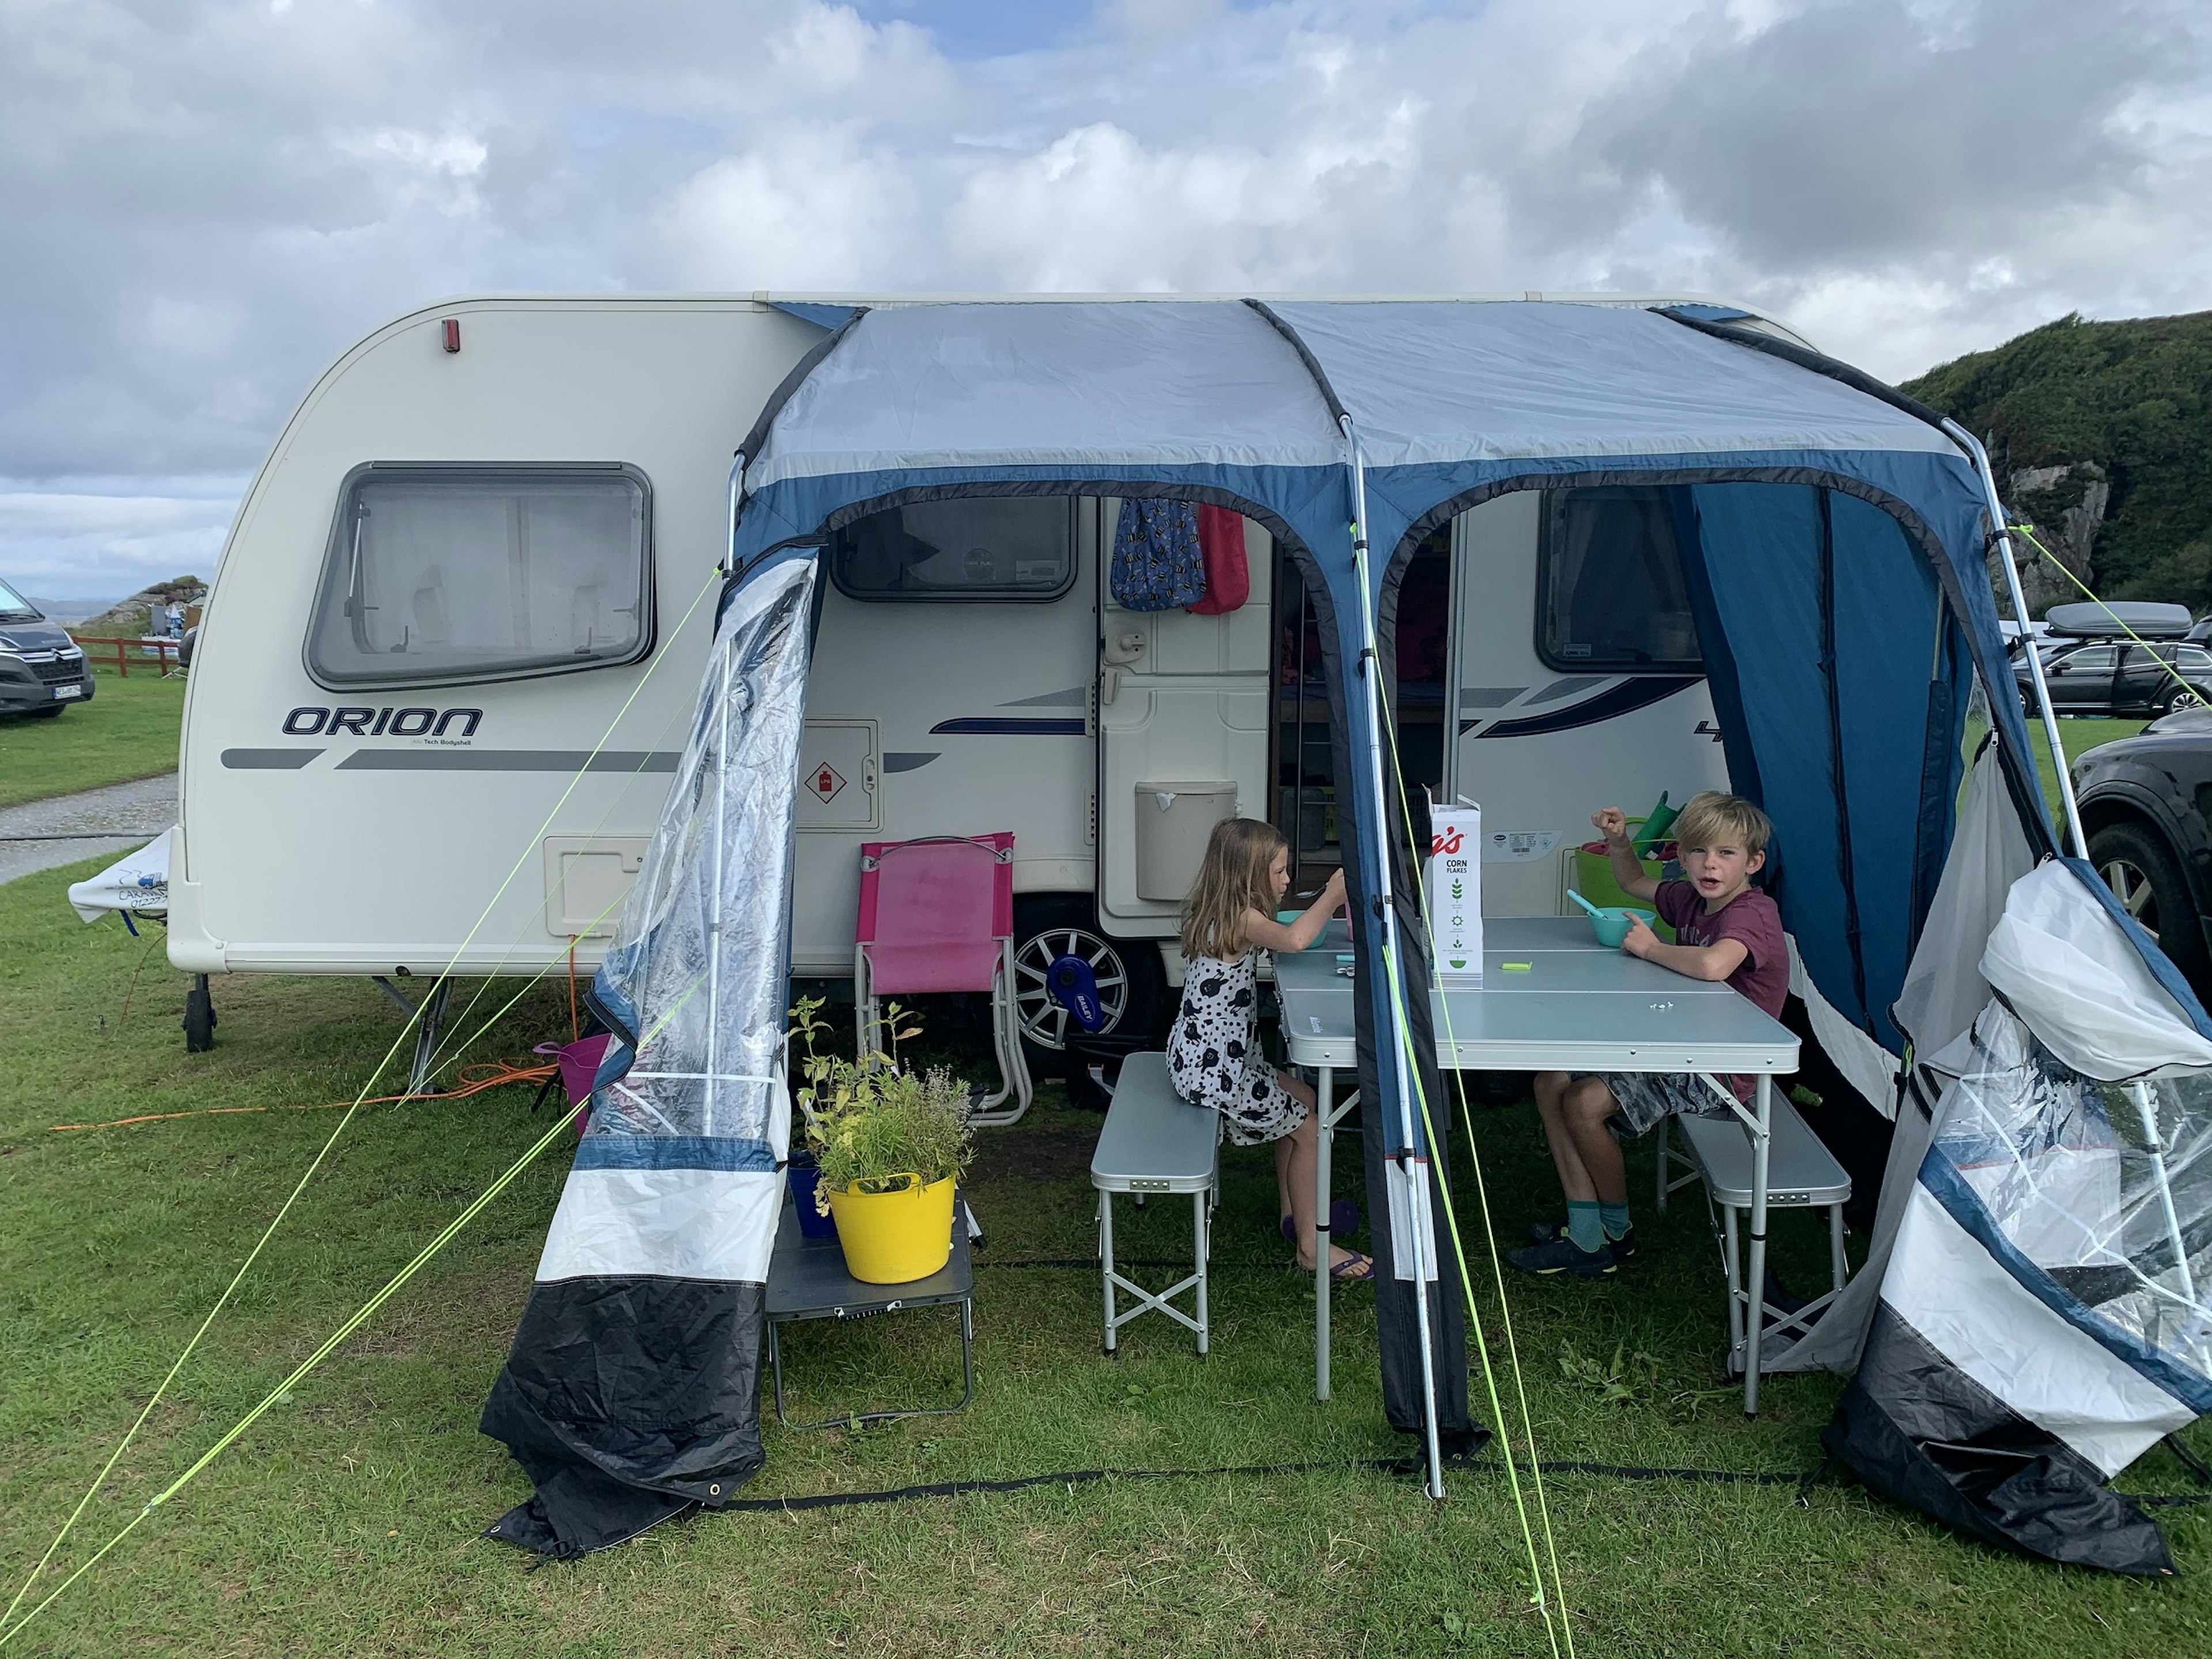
[
  {"x": 1221, "y": 545},
  {"x": 1157, "y": 565}
]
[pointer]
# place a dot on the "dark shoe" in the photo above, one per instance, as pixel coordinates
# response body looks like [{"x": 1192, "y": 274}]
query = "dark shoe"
[
  {"x": 1563, "y": 1255},
  {"x": 1343, "y": 1219},
  {"x": 1543, "y": 1232}
]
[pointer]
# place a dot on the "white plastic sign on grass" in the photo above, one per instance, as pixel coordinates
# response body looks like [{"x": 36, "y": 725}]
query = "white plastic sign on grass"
[{"x": 1455, "y": 892}]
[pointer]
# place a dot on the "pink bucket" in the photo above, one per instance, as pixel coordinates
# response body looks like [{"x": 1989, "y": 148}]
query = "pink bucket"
[{"x": 580, "y": 1064}]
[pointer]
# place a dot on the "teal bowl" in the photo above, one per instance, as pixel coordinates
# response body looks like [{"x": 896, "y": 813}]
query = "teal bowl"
[{"x": 1611, "y": 925}]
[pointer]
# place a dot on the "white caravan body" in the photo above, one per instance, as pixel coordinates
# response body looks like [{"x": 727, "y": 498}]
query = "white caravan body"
[{"x": 384, "y": 815}]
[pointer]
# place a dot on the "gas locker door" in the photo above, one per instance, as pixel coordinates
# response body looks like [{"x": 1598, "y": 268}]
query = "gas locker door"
[
  {"x": 1183, "y": 738},
  {"x": 837, "y": 778}
]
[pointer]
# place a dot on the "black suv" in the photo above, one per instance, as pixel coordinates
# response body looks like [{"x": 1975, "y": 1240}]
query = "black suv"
[
  {"x": 2145, "y": 802},
  {"x": 42, "y": 670},
  {"x": 2120, "y": 678}
]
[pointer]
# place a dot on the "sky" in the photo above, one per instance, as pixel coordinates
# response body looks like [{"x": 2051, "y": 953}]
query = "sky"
[{"x": 203, "y": 205}]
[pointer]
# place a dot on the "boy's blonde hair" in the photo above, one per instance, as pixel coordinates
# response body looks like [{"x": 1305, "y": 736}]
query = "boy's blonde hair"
[
  {"x": 1233, "y": 879},
  {"x": 1711, "y": 818}
]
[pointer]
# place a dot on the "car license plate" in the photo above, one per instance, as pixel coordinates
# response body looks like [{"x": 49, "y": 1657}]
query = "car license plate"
[{"x": 65, "y": 692}]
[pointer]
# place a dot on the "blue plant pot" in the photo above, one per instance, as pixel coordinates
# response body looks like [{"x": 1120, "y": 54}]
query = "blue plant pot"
[{"x": 804, "y": 1178}]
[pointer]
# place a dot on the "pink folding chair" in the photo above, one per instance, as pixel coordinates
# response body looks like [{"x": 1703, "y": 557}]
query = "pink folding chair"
[{"x": 937, "y": 914}]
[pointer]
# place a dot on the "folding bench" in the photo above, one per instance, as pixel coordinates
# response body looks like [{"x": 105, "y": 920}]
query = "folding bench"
[
  {"x": 1155, "y": 1141},
  {"x": 1801, "y": 1174},
  {"x": 937, "y": 914}
]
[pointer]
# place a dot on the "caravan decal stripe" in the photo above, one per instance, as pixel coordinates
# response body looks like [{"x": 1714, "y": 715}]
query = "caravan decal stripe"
[
  {"x": 267, "y": 760},
  {"x": 509, "y": 760},
  {"x": 1640, "y": 692},
  {"x": 1947, "y": 1187},
  {"x": 726, "y": 1152},
  {"x": 1006, "y": 727}
]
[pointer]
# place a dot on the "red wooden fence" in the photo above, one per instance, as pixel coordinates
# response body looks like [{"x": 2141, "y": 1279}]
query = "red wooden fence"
[{"x": 165, "y": 651}]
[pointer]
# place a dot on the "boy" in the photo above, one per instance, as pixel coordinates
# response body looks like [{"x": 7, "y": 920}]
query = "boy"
[{"x": 1725, "y": 929}]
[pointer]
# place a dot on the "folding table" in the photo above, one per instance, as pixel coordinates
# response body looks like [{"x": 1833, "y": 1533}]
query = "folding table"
[
  {"x": 806, "y": 1279},
  {"x": 1570, "y": 1003}
]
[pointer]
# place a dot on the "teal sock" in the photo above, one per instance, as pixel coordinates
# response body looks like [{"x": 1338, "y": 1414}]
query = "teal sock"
[
  {"x": 1614, "y": 1217},
  {"x": 1584, "y": 1226}
]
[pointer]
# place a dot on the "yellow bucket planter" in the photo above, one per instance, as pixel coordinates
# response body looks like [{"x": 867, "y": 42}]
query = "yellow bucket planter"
[{"x": 893, "y": 1237}]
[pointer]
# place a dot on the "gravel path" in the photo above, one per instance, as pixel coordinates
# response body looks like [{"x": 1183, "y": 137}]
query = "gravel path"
[{"x": 43, "y": 834}]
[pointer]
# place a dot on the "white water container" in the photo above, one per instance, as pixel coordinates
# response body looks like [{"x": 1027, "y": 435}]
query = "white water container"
[{"x": 1174, "y": 821}]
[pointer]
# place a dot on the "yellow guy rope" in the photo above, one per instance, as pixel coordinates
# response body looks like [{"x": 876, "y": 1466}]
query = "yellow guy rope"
[
  {"x": 1467, "y": 1279},
  {"x": 315, "y": 1165},
  {"x": 275, "y": 1395},
  {"x": 1459, "y": 1251},
  {"x": 1546, "y": 1602}
]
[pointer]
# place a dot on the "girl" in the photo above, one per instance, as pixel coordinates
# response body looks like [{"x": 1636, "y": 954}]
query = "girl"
[{"x": 1213, "y": 1053}]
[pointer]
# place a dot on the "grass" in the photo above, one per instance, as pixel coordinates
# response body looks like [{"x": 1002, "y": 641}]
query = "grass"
[
  {"x": 348, "y": 1521},
  {"x": 2078, "y": 737},
  {"x": 129, "y": 730}
]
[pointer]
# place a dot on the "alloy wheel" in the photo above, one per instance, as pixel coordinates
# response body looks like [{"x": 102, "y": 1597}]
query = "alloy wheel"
[
  {"x": 1044, "y": 1021},
  {"x": 2132, "y": 888}
]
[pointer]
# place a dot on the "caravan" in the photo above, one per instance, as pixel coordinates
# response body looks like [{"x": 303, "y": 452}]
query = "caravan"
[{"x": 459, "y": 625}]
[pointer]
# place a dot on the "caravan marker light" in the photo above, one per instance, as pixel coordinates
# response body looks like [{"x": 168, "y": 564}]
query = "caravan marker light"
[{"x": 450, "y": 328}]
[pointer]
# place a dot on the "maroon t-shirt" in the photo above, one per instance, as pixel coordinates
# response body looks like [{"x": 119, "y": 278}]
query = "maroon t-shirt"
[{"x": 1750, "y": 918}]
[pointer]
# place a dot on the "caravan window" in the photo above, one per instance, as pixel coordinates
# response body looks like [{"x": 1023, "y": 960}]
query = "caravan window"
[
  {"x": 1610, "y": 597},
  {"x": 976, "y": 547},
  {"x": 439, "y": 574}
]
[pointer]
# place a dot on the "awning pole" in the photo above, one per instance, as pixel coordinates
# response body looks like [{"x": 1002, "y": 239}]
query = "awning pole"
[
  {"x": 1413, "y": 1166},
  {"x": 1973, "y": 447},
  {"x": 714, "y": 928},
  {"x": 2139, "y": 1092}
]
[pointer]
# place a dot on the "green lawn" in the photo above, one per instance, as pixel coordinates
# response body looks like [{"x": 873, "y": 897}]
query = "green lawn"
[
  {"x": 2077, "y": 736},
  {"x": 347, "y": 1521},
  {"x": 129, "y": 730}
]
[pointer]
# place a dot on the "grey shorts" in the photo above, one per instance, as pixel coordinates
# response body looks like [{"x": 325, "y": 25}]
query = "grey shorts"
[{"x": 1644, "y": 1097}]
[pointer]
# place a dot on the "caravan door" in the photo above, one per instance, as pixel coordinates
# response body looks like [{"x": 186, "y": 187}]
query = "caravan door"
[{"x": 1183, "y": 708}]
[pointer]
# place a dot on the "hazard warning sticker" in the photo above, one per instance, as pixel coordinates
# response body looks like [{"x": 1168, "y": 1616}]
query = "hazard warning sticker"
[{"x": 825, "y": 782}]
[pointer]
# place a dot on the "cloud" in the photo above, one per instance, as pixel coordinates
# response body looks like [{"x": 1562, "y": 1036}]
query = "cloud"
[
  {"x": 103, "y": 537},
  {"x": 203, "y": 204}
]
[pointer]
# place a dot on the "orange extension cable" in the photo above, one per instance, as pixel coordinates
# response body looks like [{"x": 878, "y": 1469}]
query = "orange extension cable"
[{"x": 498, "y": 1072}]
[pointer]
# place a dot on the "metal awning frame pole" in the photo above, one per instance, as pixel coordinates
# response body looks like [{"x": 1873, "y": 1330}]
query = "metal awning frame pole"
[
  {"x": 2002, "y": 536},
  {"x": 1413, "y": 1165},
  {"x": 722, "y": 798}
]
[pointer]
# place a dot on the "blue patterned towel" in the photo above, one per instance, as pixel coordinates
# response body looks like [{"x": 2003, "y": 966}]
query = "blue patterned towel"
[{"x": 1157, "y": 564}]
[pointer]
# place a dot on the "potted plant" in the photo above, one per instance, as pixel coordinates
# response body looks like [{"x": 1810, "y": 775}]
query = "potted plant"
[{"x": 890, "y": 1141}]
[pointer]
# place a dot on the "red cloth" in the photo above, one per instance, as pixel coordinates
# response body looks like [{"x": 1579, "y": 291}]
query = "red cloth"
[
  {"x": 1754, "y": 920},
  {"x": 1221, "y": 545}
]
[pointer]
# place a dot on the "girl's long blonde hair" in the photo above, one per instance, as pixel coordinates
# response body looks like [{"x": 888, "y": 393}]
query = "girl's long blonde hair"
[{"x": 1233, "y": 879}]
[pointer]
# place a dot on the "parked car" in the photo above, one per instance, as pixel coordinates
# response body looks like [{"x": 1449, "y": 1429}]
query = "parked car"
[
  {"x": 2145, "y": 804},
  {"x": 42, "y": 670},
  {"x": 2118, "y": 678}
]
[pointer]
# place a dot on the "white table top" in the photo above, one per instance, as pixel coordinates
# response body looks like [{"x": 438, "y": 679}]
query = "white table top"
[{"x": 1576, "y": 1006}]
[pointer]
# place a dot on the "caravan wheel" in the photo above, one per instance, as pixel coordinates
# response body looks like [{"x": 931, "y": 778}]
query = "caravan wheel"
[{"x": 1132, "y": 986}]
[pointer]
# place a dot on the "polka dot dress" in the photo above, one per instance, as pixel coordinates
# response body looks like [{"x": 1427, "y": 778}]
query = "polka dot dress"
[{"x": 1214, "y": 1058}]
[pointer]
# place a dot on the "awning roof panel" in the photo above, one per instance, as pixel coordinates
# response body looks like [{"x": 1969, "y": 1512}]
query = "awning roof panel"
[
  {"x": 1437, "y": 383},
  {"x": 913, "y": 388}
]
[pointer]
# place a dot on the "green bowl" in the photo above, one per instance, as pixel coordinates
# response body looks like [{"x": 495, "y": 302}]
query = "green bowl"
[{"x": 1611, "y": 924}]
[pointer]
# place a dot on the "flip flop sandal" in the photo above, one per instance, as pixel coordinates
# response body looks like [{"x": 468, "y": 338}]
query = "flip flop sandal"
[{"x": 1354, "y": 1269}]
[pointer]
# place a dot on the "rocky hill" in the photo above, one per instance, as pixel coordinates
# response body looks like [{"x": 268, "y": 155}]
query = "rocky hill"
[
  {"x": 2101, "y": 434},
  {"x": 129, "y": 617}
]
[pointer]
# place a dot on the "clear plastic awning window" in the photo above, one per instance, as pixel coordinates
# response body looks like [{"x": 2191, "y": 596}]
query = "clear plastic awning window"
[{"x": 695, "y": 981}]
